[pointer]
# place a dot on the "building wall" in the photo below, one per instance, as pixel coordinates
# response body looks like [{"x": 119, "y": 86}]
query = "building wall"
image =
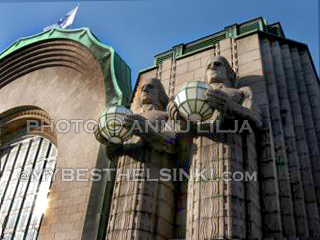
[
  {"x": 294, "y": 107},
  {"x": 286, "y": 92},
  {"x": 74, "y": 90}
]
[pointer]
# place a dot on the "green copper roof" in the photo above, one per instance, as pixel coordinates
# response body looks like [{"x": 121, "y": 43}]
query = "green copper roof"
[{"x": 120, "y": 72}]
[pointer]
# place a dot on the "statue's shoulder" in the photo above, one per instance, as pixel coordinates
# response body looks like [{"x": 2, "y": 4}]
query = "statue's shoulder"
[
  {"x": 249, "y": 100},
  {"x": 246, "y": 91},
  {"x": 235, "y": 94},
  {"x": 156, "y": 115}
]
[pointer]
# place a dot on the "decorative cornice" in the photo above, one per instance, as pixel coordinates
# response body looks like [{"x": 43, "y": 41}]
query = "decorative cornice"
[
  {"x": 13, "y": 124},
  {"x": 18, "y": 112},
  {"x": 233, "y": 31}
]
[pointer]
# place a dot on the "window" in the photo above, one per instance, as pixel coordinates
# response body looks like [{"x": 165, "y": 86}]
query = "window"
[{"x": 26, "y": 170}]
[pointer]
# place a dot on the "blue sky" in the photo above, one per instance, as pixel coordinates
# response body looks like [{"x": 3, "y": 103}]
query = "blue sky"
[{"x": 138, "y": 30}]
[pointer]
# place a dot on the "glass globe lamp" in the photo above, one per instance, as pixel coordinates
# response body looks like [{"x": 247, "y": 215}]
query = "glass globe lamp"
[
  {"x": 191, "y": 101},
  {"x": 111, "y": 124}
]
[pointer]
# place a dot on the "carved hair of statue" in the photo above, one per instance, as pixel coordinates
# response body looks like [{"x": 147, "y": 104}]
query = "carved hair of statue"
[
  {"x": 231, "y": 75},
  {"x": 163, "y": 98}
]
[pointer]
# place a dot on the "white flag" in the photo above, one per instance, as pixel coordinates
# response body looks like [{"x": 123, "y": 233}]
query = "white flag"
[{"x": 66, "y": 21}]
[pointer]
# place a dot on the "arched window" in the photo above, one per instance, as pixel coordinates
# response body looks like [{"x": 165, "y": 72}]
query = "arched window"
[{"x": 27, "y": 168}]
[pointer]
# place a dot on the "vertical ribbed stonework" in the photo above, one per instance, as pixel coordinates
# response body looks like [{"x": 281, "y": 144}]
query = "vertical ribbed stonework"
[
  {"x": 278, "y": 107},
  {"x": 246, "y": 52},
  {"x": 270, "y": 179},
  {"x": 306, "y": 135},
  {"x": 216, "y": 207},
  {"x": 270, "y": 206},
  {"x": 142, "y": 209},
  {"x": 291, "y": 163},
  {"x": 191, "y": 214},
  {"x": 234, "y": 190},
  {"x": 293, "y": 122},
  {"x": 251, "y": 188},
  {"x": 217, "y": 49},
  {"x": 234, "y": 56},
  {"x": 205, "y": 216},
  {"x": 292, "y": 87},
  {"x": 159, "y": 71},
  {"x": 312, "y": 87},
  {"x": 121, "y": 216},
  {"x": 172, "y": 80}
]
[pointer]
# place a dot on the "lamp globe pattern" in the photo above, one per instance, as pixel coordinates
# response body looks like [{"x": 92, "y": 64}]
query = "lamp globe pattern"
[
  {"x": 191, "y": 101},
  {"x": 111, "y": 124}
]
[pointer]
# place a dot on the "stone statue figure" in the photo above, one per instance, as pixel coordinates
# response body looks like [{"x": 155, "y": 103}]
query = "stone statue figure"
[
  {"x": 230, "y": 101},
  {"x": 143, "y": 207},
  {"x": 215, "y": 208}
]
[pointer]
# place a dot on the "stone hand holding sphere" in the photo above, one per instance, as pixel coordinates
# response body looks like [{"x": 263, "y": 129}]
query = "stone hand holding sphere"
[
  {"x": 218, "y": 99},
  {"x": 134, "y": 123},
  {"x": 172, "y": 110}
]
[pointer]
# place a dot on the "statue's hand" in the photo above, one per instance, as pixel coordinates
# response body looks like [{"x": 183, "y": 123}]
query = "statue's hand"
[
  {"x": 218, "y": 99},
  {"x": 99, "y": 136},
  {"x": 172, "y": 110},
  {"x": 133, "y": 121},
  {"x": 114, "y": 150}
]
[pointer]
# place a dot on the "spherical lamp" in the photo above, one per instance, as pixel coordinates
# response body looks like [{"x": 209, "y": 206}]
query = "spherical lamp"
[
  {"x": 111, "y": 124},
  {"x": 191, "y": 101}
]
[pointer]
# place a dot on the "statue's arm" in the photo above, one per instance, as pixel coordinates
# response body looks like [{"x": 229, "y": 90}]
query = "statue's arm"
[
  {"x": 240, "y": 110},
  {"x": 160, "y": 139},
  {"x": 245, "y": 110},
  {"x": 116, "y": 150}
]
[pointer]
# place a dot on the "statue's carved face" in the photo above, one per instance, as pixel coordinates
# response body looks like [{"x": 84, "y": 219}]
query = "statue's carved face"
[
  {"x": 150, "y": 92},
  {"x": 216, "y": 70}
]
